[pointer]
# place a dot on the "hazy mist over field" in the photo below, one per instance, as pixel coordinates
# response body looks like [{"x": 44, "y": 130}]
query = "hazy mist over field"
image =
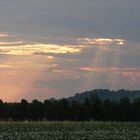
[{"x": 55, "y": 48}]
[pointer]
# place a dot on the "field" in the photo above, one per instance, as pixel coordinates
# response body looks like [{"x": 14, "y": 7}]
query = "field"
[{"x": 69, "y": 131}]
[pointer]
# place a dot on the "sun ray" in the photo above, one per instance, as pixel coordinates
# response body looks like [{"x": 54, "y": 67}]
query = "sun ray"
[
  {"x": 103, "y": 46},
  {"x": 95, "y": 61},
  {"x": 113, "y": 75}
]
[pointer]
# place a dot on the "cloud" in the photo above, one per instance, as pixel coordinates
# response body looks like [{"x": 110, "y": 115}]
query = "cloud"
[
  {"x": 33, "y": 48},
  {"x": 130, "y": 73},
  {"x": 16, "y": 43},
  {"x": 64, "y": 70},
  {"x": 7, "y": 36},
  {"x": 25, "y": 48},
  {"x": 38, "y": 41},
  {"x": 87, "y": 18},
  {"x": 6, "y": 66},
  {"x": 101, "y": 41},
  {"x": 4, "y": 35}
]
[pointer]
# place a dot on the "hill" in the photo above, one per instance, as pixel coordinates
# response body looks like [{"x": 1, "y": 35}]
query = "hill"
[{"x": 104, "y": 94}]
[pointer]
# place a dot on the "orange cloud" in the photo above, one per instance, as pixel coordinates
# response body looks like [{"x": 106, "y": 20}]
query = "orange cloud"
[
  {"x": 17, "y": 48},
  {"x": 127, "y": 72},
  {"x": 10, "y": 43},
  {"x": 4, "y": 35},
  {"x": 21, "y": 47},
  {"x": 64, "y": 70},
  {"x": 101, "y": 41},
  {"x": 29, "y": 48},
  {"x": 5, "y": 66},
  {"x": 88, "y": 69}
]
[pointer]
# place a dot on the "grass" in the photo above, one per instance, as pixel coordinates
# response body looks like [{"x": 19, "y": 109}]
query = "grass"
[{"x": 69, "y": 131}]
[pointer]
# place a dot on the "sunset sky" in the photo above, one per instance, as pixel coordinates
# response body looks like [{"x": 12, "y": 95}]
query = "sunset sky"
[{"x": 56, "y": 48}]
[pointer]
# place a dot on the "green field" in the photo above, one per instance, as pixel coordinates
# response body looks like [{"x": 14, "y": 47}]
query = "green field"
[{"x": 69, "y": 131}]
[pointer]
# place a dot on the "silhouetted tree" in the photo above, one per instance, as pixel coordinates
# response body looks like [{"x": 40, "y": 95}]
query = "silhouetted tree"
[
  {"x": 36, "y": 110},
  {"x": 1, "y": 110},
  {"x": 63, "y": 109},
  {"x": 107, "y": 110},
  {"x": 136, "y": 110},
  {"x": 24, "y": 109},
  {"x": 93, "y": 108},
  {"x": 96, "y": 107},
  {"x": 125, "y": 109},
  {"x": 51, "y": 109}
]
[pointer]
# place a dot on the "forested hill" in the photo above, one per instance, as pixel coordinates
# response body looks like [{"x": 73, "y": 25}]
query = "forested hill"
[
  {"x": 104, "y": 94},
  {"x": 102, "y": 105}
]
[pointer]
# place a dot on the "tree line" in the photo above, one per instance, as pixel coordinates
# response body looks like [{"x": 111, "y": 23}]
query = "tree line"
[{"x": 59, "y": 110}]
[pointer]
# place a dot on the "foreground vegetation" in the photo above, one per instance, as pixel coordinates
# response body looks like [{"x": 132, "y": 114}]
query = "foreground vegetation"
[{"x": 69, "y": 131}]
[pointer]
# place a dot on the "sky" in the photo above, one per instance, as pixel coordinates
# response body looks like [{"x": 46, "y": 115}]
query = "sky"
[{"x": 56, "y": 48}]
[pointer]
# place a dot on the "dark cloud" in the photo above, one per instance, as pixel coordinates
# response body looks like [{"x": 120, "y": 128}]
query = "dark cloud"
[{"x": 92, "y": 18}]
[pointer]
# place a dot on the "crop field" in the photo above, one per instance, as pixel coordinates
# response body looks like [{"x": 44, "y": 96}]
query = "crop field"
[{"x": 69, "y": 131}]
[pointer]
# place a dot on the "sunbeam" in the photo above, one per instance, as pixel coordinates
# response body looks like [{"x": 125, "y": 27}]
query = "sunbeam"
[
  {"x": 112, "y": 74},
  {"x": 96, "y": 60}
]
